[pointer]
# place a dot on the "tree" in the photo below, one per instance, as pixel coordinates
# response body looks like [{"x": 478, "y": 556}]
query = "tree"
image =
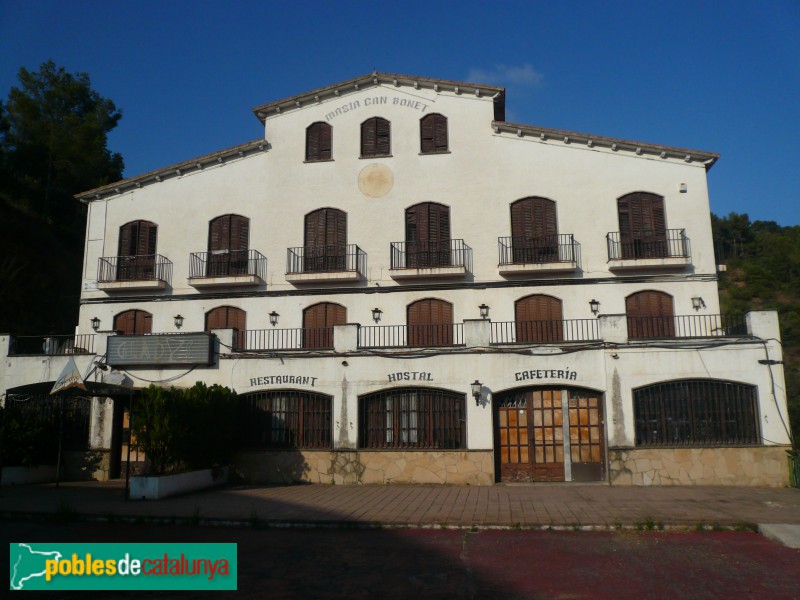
[{"x": 54, "y": 140}]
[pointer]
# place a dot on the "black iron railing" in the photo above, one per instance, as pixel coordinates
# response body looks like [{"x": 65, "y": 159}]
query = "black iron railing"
[
  {"x": 686, "y": 326},
  {"x": 144, "y": 267},
  {"x": 337, "y": 258},
  {"x": 531, "y": 332},
  {"x": 423, "y": 255},
  {"x": 229, "y": 263},
  {"x": 404, "y": 336},
  {"x": 254, "y": 340},
  {"x": 559, "y": 248},
  {"x": 53, "y": 345},
  {"x": 643, "y": 244}
]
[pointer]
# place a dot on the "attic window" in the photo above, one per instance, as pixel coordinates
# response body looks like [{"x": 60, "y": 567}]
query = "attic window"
[
  {"x": 319, "y": 141},
  {"x": 376, "y": 137},
  {"x": 433, "y": 134}
]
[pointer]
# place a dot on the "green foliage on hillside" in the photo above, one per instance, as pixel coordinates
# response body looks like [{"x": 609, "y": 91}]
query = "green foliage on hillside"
[{"x": 763, "y": 273}]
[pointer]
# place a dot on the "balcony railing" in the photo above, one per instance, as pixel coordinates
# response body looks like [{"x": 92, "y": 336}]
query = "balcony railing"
[
  {"x": 255, "y": 340},
  {"x": 559, "y": 248},
  {"x": 52, "y": 345},
  {"x": 414, "y": 336},
  {"x": 686, "y": 326},
  {"x": 143, "y": 267},
  {"x": 326, "y": 259},
  {"x": 230, "y": 263},
  {"x": 646, "y": 244},
  {"x": 544, "y": 332},
  {"x": 427, "y": 255}
]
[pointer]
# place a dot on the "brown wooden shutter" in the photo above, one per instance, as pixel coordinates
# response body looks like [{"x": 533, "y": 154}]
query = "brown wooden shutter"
[
  {"x": 430, "y": 323},
  {"x": 383, "y": 142},
  {"x": 428, "y": 235},
  {"x": 133, "y": 322},
  {"x": 433, "y": 133},
  {"x": 538, "y": 319},
  {"x": 368, "y": 137},
  {"x": 650, "y": 315},
  {"x": 318, "y": 322},
  {"x": 642, "y": 225},
  {"x": 325, "y": 240},
  {"x": 318, "y": 141},
  {"x": 376, "y": 137},
  {"x": 534, "y": 230}
]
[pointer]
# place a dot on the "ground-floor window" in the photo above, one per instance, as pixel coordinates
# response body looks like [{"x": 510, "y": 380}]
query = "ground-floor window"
[
  {"x": 696, "y": 412},
  {"x": 285, "y": 419},
  {"x": 413, "y": 418}
]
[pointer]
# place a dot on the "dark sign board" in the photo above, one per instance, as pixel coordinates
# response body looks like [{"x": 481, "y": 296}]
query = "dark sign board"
[{"x": 163, "y": 350}]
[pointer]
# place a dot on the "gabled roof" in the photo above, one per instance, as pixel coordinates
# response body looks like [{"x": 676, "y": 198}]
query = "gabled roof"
[{"x": 498, "y": 94}]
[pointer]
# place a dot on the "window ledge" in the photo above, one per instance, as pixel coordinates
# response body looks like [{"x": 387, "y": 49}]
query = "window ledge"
[
  {"x": 323, "y": 160},
  {"x": 375, "y": 156},
  {"x": 438, "y": 152}
]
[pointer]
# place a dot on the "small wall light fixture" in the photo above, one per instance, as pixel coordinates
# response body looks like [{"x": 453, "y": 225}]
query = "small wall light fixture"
[
  {"x": 178, "y": 321},
  {"x": 376, "y": 314},
  {"x": 594, "y": 305},
  {"x": 698, "y": 303},
  {"x": 273, "y": 318},
  {"x": 484, "y": 311},
  {"x": 95, "y": 323},
  {"x": 476, "y": 391}
]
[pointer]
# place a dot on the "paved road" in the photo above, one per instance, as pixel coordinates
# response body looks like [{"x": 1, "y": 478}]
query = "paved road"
[{"x": 327, "y": 563}]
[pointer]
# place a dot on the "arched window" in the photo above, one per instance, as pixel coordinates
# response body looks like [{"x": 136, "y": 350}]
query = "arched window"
[
  {"x": 696, "y": 412},
  {"x": 136, "y": 253},
  {"x": 228, "y": 239},
  {"x": 133, "y": 322},
  {"x": 433, "y": 133},
  {"x": 229, "y": 317},
  {"x": 413, "y": 418},
  {"x": 642, "y": 226},
  {"x": 318, "y": 322},
  {"x": 538, "y": 319},
  {"x": 428, "y": 235},
  {"x": 319, "y": 141},
  {"x": 325, "y": 242},
  {"x": 534, "y": 230},
  {"x": 376, "y": 137},
  {"x": 430, "y": 323},
  {"x": 650, "y": 315},
  {"x": 285, "y": 419}
]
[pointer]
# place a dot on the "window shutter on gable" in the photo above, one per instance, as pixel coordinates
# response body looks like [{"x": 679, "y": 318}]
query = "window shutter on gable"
[
  {"x": 375, "y": 137},
  {"x": 368, "y": 137},
  {"x": 383, "y": 141},
  {"x": 433, "y": 133},
  {"x": 318, "y": 141}
]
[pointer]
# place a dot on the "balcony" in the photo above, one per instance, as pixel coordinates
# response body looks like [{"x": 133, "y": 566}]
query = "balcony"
[
  {"x": 411, "y": 336},
  {"x": 51, "y": 345},
  {"x": 322, "y": 264},
  {"x": 228, "y": 268},
  {"x": 265, "y": 340},
  {"x": 128, "y": 273},
  {"x": 648, "y": 249},
  {"x": 686, "y": 326},
  {"x": 558, "y": 253},
  {"x": 440, "y": 259},
  {"x": 545, "y": 332}
]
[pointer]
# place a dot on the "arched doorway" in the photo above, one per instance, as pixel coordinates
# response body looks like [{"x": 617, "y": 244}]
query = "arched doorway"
[{"x": 549, "y": 434}]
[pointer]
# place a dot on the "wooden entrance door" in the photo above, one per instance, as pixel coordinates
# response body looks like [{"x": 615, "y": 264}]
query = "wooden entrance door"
[{"x": 530, "y": 442}]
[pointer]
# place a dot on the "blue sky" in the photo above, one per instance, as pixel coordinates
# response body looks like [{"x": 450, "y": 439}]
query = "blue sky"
[{"x": 723, "y": 77}]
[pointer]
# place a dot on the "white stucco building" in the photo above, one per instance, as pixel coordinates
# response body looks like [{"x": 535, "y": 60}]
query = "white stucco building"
[{"x": 404, "y": 287}]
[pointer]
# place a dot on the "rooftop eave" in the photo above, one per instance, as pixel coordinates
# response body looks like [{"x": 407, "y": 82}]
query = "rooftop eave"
[
  {"x": 497, "y": 94},
  {"x": 545, "y": 134},
  {"x": 177, "y": 170}
]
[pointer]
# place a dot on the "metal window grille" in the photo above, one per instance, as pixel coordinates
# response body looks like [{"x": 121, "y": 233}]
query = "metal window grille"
[
  {"x": 285, "y": 419},
  {"x": 42, "y": 413},
  {"x": 696, "y": 412},
  {"x": 413, "y": 418}
]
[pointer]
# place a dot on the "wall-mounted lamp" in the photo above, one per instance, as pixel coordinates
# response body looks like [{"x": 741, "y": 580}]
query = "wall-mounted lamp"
[
  {"x": 273, "y": 318},
  {"x": 697, "y": 303},
  {"x": 376, "y": 314},
  {"x": 484, "y": 311},
  {"x": 178, "y": 321},
  {"x": 594, "y": 305},
  {"x": 95, "y": 323},
  {"x": 476, "y": 391}
]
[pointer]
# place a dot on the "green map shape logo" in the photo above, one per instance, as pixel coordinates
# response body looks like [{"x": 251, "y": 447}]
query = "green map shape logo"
[{"x": 27, "y": 563}]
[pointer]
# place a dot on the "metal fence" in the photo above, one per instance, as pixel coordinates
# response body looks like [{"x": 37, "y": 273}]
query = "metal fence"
[
  {"x": 52, "y": 345},
  {"x": 794, "y": 469},
  {"x": 531, "y": 332},
  {"x": 326, "y": 259},
  {"x": 557, "y": 248},
  {"x": 227, "y": 264},
  {"x": 424, "y": 254},
  {"x": 143, "y": 267},
  {"x": 405, "y": 336},
  {"x": 687, "y": 326},
  {"x": 254, "y": 340},
  {"x": 644, "y": 244}
]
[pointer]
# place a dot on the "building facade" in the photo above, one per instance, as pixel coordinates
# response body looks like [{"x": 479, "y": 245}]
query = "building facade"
[{"x": 402, "y": 286}]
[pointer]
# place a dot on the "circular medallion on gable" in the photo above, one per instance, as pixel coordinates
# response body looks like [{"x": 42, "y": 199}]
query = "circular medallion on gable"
[{"x": 375, "y": 180}]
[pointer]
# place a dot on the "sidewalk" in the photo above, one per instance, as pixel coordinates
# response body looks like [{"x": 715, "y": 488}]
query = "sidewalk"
[{"x": 543, "y": 505}]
